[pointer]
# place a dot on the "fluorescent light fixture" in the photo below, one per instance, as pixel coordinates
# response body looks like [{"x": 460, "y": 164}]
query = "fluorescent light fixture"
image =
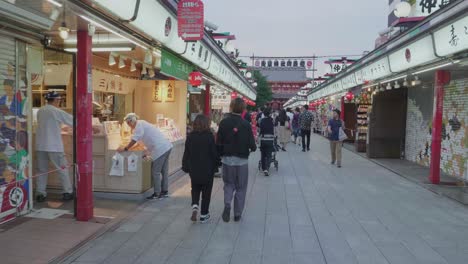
[
  {"x": 111, "y": 60},
  {"x": 112, "y": 31},
  {"x": 103, "y": 49},
  {"x": 55, "y": 3},
  {"x": 437, "y": 67},
  {"x": 121, "y": 62},
  {"x": 133, "y": 67}
]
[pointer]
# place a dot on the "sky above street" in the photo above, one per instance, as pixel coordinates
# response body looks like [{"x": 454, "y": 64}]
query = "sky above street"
[{"x": 300, "y": 27}]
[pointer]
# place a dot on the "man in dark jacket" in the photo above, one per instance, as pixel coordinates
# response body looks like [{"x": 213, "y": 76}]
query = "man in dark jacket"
[
  {"x": 305, "y": 122},
  {"x": 267, "y": 140},
  {"x": 236, "y": 141}
]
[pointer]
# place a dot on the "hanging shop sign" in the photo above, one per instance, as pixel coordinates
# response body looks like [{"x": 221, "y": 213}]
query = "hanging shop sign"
[
  {"x": 195, "y": 78},
  {"x": 191, "y": 18},
  {"x": 168, "y": 91},
  {"x": 415, "y": 54},
  {"x": 157, "y": 92},
  {"x": 173, "y": 66},
  {"x": 452, "y": 38},
  {"x": 106, "y": 82}
]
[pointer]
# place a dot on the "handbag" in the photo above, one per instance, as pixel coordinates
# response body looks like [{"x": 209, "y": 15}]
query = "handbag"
[{"x": 342, "y": 135}]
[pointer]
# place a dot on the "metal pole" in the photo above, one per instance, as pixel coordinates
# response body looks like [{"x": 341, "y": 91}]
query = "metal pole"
[
  {"x": 84, "y": 159},
  {"x": 441, "y": 79}
]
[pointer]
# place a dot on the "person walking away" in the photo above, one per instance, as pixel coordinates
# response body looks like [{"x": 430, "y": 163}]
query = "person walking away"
[
  {"x": 333, "y": 128},
  {"x": 284, "y": 134},
  {"x": 159, "y": 147},
  {"x": 306, "y": 119},
  {"x": 267, "y": 137},
  {"x": 49, "y": 146},
  {"x": 295, "y": 124},
  {"x": 236, "y": 141},
  {"x": 200, "y": 162}
]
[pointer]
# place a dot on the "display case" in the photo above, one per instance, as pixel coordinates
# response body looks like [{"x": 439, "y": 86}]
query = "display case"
[{"x": 363, "y": 111}]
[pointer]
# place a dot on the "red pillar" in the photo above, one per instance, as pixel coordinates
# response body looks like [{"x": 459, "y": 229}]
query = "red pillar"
[
  {"x": 84, "y": 136},
  {"x": 342, "y": 108},
  {"x": 441, "y": 79},
  {"x": 207, "y": 110}
]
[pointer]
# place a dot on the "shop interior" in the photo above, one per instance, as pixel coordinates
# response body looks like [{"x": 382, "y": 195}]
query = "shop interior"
[{"x": 125, "y": 78}]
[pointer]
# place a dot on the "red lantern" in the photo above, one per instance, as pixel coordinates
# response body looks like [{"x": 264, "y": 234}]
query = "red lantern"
[
  {"x": 349, "y": 96},
  {"x": 233, "y": 95},
  {"x": 195, "y": 78}
]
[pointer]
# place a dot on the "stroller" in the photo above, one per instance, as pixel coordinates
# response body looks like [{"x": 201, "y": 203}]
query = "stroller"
[{"x": 275, "y": 162}]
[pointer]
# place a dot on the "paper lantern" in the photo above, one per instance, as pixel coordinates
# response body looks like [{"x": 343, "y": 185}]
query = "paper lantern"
[{"x": 195, "y": 78}]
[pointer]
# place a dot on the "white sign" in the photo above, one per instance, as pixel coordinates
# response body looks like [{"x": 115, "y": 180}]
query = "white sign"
[
  {"x": 348, "y": 81},
  {"x": 415, "y": 54},
  {"x": 376, "y": 70},
  {"x": 452, "y": 38}
]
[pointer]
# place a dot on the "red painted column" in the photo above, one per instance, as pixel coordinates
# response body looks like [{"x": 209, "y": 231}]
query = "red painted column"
[
  {"x": 207, "y": 110},
  {"x": 441, "y": 79},
  {"x": 342, "y": 108},
  {"x": 84, "y": 136}
]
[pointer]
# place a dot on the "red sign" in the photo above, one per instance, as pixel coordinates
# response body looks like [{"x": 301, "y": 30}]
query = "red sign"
[
  {"x": 191, "y": 18},
  {"x": 195, "y": 78}
]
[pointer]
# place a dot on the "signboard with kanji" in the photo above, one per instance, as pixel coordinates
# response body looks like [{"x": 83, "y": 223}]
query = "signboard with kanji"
[
  {"x": 191, "y": 20},
  {"x": 173, "y": 66}
]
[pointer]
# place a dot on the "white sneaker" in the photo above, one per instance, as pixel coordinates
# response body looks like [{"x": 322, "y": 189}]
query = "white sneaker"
[{"x": 194, "y": 213}]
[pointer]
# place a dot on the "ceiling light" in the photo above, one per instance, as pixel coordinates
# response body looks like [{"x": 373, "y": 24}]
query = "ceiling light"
[
  {"x": 397, "y": 85},
  {"x": 389, "y": 86},
  {"x": 148, "y": 57},
  {"x": 121, "y": 62},
  {"x": 103, "y": 49},
  {"x": 405, "y": 83},
  {"x": 151, "y": 73},
  {"x": 382, "y": 88},
  {"x": 55, "y": 3},
  {"x": 133, "y": 66},
  {"x": 111, "y": 59},
  {"x": 63, "y": 31},
  {"x": 437, "y": 67},
  {"x": 416, "y": 81}
]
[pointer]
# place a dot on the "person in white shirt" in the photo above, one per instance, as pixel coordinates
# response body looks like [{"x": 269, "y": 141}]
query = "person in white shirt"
[
  {"x": 159, "y": 147},
  {"x": 49, "y": 146}
]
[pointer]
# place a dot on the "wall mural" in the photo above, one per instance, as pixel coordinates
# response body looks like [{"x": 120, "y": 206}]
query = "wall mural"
[
  {"x": 454, "y": 129},
  {"x": 455, "y": 132},
  {"x": 14, "y": 149}
]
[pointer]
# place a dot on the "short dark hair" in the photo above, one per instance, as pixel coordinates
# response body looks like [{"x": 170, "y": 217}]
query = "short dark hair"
[
  {"x": 201, "y": 123},
  {"x": 237, "y": 106},
  {"x": 306, "y": 107},
  {"x": 267, "y": 112},
  {"x": 298, "y": 109},
  {"x": 288, "y": 109}
]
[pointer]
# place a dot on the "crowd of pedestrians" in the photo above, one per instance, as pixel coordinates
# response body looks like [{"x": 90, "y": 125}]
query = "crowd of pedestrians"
[{"x": 230, "y": 149}]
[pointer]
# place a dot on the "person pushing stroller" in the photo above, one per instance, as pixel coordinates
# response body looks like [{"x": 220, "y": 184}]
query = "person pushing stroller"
[{"x": 267, "y": 141}]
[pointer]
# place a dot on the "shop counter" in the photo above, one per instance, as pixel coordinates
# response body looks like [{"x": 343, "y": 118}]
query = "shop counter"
[{"x": 132, "y": 182}]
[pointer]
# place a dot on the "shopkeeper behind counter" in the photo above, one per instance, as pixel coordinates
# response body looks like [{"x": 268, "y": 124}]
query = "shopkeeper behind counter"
[{"x": 159, "y": 147}]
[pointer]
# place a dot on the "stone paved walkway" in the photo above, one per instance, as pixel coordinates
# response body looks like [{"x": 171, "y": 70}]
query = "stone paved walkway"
[{"x": 308, "y": 212}]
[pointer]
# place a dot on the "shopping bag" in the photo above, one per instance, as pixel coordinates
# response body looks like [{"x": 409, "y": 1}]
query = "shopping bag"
[
  {"x": 342, "y": 136},
  {"x": 132, "y": 162},
  {"x": 117, "y": 168}
]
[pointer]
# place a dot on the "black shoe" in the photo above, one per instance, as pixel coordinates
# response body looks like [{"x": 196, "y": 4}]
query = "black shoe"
[
  {"x": 339, "y": 166},
  {"x": 266, "y": 173},
  {"x": 332, "y": 163},
  {"x": 204, "y": 218},
  {"x": 67, "y": 196},
  {"x": 226, "y": 214},
  {"x": 283, "y": 149},
  {"x": 40, "y": 198},
  {"x": 308, "y": 149},
  {"x": 237, "y": 218},
  {"x": 303, "y": 150},
  {"x": 154, "y": 196},
  {"x": 163, "y": 195}
]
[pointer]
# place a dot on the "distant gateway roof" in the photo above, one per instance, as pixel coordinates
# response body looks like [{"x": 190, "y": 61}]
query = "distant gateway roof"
[{"x": 284, "y": 74}]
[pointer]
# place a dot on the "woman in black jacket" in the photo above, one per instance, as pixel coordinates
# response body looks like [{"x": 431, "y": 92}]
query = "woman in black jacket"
[
  {"x": 236, "y": 141},
  {"x": 267, "y": 140},
  {"x": 200, "y": 162}
]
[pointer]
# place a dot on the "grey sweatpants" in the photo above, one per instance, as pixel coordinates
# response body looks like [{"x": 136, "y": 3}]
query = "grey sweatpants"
[
  {"x": 160, "y": 173},
  {"x": 236, "y": 179},
  {"x": 58, "y": 161}
]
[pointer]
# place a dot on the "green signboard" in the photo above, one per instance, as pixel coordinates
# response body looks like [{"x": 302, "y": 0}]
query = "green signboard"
[{"x": 174, "y": 66}]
